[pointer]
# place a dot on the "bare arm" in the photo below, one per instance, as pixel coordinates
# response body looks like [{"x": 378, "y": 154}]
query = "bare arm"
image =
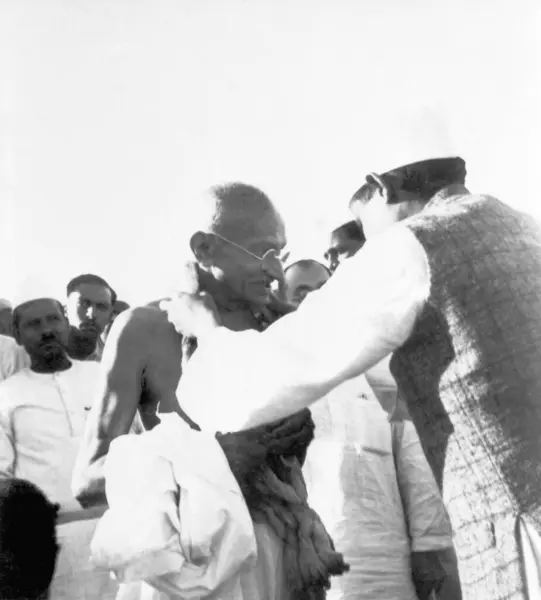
[{"x": 115, "y": 406}]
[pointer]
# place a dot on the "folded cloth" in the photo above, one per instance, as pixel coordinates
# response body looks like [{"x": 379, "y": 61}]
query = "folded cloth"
[
  {"x": 276, "y": 495},
  {"x": 176, "y": 519}
]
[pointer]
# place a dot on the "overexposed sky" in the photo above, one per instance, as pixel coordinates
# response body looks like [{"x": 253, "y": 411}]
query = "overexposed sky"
[{"x": 114, "y": 114}]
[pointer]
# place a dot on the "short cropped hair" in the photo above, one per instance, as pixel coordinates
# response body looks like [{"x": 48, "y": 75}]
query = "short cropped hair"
[
  {"x": 76, "y": 282},
  {"x": 230, "y": 204},
  {"x": 352, "y": 230},
  {"x": 425, "y": 178},
  {"x": 28, "y": 544},
  {"x": 306, "y": 263}
]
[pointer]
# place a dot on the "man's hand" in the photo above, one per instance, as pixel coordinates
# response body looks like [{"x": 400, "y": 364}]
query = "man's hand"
[{"x": 429, "y": 574}]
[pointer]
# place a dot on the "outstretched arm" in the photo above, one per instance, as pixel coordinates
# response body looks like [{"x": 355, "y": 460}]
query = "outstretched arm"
[
  {"x": 115, "y": 406},
  {"x": 367, "y": 310}
]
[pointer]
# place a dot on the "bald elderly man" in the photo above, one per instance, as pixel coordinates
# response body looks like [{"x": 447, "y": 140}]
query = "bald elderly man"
[
  {"x": 235, "y": 244},
  {"x": 235, "y": 249}
]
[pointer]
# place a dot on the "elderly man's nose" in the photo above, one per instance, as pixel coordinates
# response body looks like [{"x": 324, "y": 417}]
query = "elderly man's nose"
[{"x": 273, "y": 266}]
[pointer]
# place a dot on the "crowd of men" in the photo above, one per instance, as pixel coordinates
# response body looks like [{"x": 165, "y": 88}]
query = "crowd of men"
[{"x": 105, "y": 462}]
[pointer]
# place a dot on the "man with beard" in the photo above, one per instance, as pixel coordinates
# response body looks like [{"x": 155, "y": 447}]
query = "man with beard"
[
  {"x": 90, "y": 304},
  {"x": 235, "y": 246},
  {"x": 43, "y": 407}
]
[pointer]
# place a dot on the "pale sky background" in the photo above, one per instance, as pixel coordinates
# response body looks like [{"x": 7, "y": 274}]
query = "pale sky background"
[{"x": 114, "y": 114}]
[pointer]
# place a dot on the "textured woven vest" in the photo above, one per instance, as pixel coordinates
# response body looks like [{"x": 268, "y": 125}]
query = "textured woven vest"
[{"x": 471, "y": 376}]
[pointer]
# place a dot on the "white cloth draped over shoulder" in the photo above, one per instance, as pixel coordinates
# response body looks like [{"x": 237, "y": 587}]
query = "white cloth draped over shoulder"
[{"x": 177, "y": 525}]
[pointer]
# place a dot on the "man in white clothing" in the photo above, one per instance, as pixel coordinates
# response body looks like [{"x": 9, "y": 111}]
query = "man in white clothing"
[
  {"x": 43, "y": 407},
  {"x": 373, "y": 486}
]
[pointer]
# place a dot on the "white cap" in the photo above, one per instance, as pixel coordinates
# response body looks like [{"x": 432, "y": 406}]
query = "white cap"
[
  {"x": 407, "y": 137},
  {"x": 32, "y": 288}
]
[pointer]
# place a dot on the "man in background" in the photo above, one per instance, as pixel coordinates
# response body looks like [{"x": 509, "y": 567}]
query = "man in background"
[
  {"x": 344, "y": 242},
  {"x": 371, "y": 482},
  {"x": 6, "y": 316},
  {"x": 43, "y": 408},
  {"x": 90, "y": 304},
  {"x": 303, "y": 277}
]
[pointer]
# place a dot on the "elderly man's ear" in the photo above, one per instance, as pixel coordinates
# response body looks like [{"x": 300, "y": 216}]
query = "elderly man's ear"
[{"x": 203, "y": 248}]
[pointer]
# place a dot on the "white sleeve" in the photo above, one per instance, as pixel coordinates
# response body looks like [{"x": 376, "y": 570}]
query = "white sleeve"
[
  {"x": 366, "y": 310},
  {"x": 7, "y": 443},
  {"x": 427, "y": 518}
]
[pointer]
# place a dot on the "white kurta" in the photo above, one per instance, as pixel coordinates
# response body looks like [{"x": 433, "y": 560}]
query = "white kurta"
[
  {"x": 42, "y": 419},
  {"x": 354, "y": 485}
]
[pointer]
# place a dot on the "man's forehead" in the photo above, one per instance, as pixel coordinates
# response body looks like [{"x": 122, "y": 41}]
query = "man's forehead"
[
  {"x": 39, "y": 308},
  {"x": 93, "y": 291},
  {"x": 313, "y": 273},
  {"x": 248, "y": 231}
]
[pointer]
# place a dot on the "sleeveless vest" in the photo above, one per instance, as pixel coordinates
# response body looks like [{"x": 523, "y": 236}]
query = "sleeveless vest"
[{"x": 470, "y": 374}]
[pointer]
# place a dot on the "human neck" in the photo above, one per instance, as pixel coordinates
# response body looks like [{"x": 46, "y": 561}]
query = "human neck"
[{"x": 41, "y": 365}]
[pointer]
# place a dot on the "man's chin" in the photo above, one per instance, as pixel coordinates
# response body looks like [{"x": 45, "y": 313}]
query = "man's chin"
[{"x": 53, "y": 354}]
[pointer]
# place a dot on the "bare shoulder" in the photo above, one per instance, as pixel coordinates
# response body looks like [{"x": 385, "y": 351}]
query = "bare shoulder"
[
  {"x": 141, "y": 331},
  {"x": 140, "y": 322}
]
